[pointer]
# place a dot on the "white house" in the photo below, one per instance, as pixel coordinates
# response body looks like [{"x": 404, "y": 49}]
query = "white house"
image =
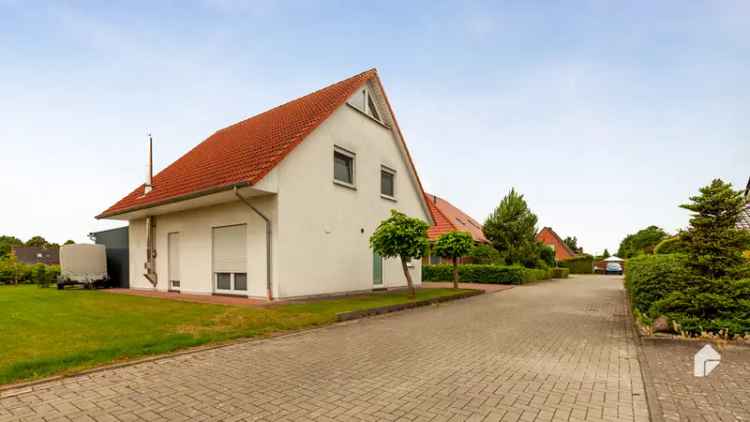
[{"x": 280, "y": 205}]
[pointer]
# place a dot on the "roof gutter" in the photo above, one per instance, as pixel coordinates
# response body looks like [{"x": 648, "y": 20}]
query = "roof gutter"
[
  {"x": 244, "y": 200},
  {"x": 174, "y": 199}
]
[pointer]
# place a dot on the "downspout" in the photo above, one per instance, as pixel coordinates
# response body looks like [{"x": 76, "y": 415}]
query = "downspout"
[{"x": 269, "y": 292}]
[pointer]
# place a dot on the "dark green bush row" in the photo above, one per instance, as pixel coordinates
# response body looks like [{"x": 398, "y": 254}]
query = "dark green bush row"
[
  {"x": 560, "y": 272},
  {"x": 494, "y": 274},
  {"x": 582, "y": 264},
  {"x": 11, "y": 271},
  {"x": 662, "y": 285}
]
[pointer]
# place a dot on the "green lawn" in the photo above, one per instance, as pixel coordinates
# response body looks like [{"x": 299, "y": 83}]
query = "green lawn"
[{"x": 46, "y": 331}]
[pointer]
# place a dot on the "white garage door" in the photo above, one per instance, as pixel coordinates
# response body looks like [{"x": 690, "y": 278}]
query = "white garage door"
[{"x": 230, "y": 259}]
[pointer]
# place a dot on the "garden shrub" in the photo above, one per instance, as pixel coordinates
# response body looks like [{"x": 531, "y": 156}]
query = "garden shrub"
[
  {"x": 559, "y": 272},
  {"x": 650, "y": 278},
  {"x": 670, "y": 245},
  {"x": 581, "y": 264},
  {"x": 38, "y": 273},
  {"x": 485, "y": 254},
  {"x": 716, "y": 306},
  {"x": 493, "y": 274}
]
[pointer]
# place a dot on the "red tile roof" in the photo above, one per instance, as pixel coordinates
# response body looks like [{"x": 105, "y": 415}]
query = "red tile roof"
[
  {"x": 449, "y": 218},
  {"x": 550, "y": 238},
  {"x": 246, "y": 151}
]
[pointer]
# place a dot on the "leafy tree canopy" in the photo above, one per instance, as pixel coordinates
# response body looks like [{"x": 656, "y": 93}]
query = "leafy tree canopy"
[
  {"x": 38, "y": 242},
  {"x": 512, "y": 230},
  {"x": 643, "y": 241},
  {"x": 714, "y": 244},
  {"x": 403, "y": 237},
  {"x": 69, "y": 242},
  {"x": 572, "y": 243},
  {"x": 6, "y": 243},
  {"x": 606, "y": 254},
  {"x": 453, "y": 245}
]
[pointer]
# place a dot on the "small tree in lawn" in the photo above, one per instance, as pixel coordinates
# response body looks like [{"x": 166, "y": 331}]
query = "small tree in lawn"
[
  {"x": 713, "y": 242},
  {"x": 403, "y": 237},
  {"x": 453, "y": 245}
]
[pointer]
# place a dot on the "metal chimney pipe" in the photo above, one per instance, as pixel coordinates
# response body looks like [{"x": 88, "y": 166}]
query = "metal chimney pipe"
[{"x": 150, "y": 166}]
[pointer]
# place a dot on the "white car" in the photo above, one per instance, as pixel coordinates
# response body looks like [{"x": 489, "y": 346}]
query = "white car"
[{"x": 613, "y": 268}]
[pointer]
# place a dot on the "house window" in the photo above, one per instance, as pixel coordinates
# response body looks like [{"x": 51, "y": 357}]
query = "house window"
[
  {"x": 230, "y": 256},
  {"x": 387, "y": 182},
  {"x": 343, "y": 166},
  {"x": 371, "y": 108}
]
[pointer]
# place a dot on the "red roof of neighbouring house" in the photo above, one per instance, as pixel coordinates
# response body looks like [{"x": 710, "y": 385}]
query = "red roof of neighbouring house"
[
  {"x": 34, "y": 255},
  {"x": 449, "y": 218},
  {"x": 550, "y": 238},
  {"x": 246, "y": 151}
]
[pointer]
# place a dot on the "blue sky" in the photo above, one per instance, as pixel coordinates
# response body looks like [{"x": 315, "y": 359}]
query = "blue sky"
[{"x": 606, "y": 115}]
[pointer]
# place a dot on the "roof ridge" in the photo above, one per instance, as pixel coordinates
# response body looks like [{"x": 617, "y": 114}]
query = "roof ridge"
[{"x": 368, "y": 73}]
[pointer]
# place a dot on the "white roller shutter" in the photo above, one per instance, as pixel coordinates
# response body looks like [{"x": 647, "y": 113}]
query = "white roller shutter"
[{"x": 230, "y": 249}]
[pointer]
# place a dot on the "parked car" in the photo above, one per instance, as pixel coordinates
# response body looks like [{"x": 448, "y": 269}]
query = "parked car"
[
  {"x": 82, "y": 264},
  {"x": 613, "y": 268}
]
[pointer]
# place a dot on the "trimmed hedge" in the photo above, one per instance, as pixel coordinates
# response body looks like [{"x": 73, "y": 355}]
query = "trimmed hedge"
[
  {"x": 650, "y": 278},
  {"x": 662, "y": 285},
  {"x": 492, "y": 274},
  {"x": 581, "y": 264},
  {"x": 27, "y": 274},
  {"x": 560, "y": 272}
]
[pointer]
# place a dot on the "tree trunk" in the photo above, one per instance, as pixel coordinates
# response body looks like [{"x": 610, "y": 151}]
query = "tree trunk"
[
  {"x": 455, "y": 272},
  {"x": 412, "y": 292}
]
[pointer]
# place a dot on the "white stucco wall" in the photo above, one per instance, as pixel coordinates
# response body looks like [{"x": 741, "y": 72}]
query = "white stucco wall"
[
  {"x": 325, "y": 228},
  {"x": 321, "y": 230},
  {"x": 196, "y": 260}
]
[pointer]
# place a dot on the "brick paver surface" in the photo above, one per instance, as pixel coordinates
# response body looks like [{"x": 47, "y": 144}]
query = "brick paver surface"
[
  {"x": 488, "y": 288},
  {"x": 558, "y": 350},
  {"x": 724, "y": 395}
]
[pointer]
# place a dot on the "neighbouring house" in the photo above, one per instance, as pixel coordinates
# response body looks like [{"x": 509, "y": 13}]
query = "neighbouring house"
[
  {"x": 280, "y": 205},
  {"x": 449, "y": 218},
  {"x": 551, "y": 239},
  {"x": 35, "y": 255}
]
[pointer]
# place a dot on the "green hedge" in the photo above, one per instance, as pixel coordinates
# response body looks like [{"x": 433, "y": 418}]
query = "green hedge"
[
  {"x": 650, "y": 278},
  {"x": 662, "y": 285},
  {"x": 493, "y": 274},
  {"x": 560, "y": 272},
  {"x": 581, "y": 264},
  {"x": 28, "y": 274}
]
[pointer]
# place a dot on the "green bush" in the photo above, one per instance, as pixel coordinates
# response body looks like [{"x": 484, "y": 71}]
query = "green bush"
[
  {"x": 581, "y": 264},
  {"x": 560, "y": 272},
  {"x": 650, "y": 278},
  {"x": 485, "y": 254},
  {"x": 493, "y": 274},
  {"x": 670, "y": 245},
  {"x": 717, "y": 306},
  {"x": 12, "y": 270}
]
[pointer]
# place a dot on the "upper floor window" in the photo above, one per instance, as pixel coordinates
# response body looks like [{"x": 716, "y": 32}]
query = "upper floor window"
[
  {"x": 387, "y": 182},
  {"x": 343, "y": 166}
]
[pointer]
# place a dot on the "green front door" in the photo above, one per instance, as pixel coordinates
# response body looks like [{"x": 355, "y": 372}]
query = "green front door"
[{"x": 377, "y": 269}]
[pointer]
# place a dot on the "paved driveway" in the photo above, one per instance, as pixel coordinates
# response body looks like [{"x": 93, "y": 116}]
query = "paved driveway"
[{"x": 557, "y": 350}]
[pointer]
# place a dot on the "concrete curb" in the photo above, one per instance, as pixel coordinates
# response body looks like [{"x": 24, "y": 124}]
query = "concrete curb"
[
  {"x": 348, "y": 316},
  {"x": 654, "y": 407},
  {"x": 16, "y": 389}
]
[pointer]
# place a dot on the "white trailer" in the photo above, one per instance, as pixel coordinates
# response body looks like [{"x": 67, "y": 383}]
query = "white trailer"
[{"x": 84, "y": 264}]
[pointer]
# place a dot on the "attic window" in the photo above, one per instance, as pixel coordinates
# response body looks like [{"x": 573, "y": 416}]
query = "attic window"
[{"x": 371, "y": 110}]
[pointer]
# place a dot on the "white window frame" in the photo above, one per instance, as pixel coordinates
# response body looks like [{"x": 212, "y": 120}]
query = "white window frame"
[
  {"x": 232, "y": 289},
  {"x": 353, "y": 157},
  {"x": 215, "y": 273},
  {"x": 392, "y": 172}
]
